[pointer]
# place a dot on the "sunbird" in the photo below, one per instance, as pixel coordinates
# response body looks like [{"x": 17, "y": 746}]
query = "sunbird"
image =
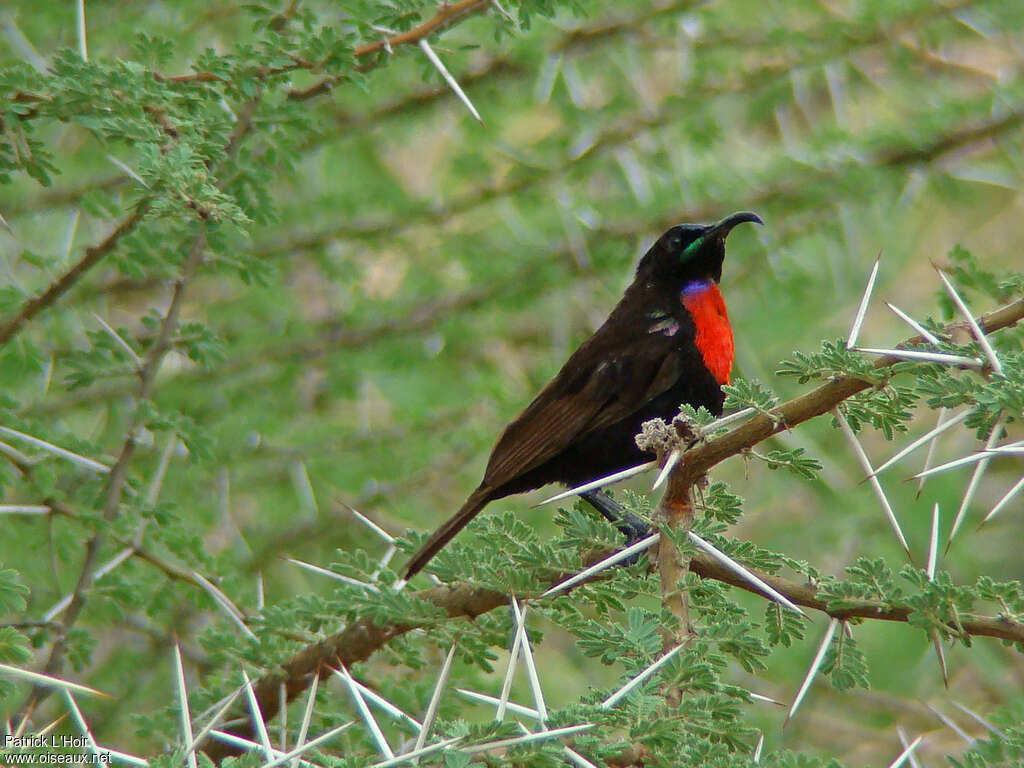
[{"x": 668, "y": 341}]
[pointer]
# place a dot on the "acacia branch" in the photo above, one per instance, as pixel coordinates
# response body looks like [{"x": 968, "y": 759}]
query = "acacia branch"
[
  {"x": 363, "y": 638},
  {"x": 360, "y": 640},
  {"x": 118, "y": 477},
  {"x": 344, "y": 122},
  {"x": 59, "y": 287}
]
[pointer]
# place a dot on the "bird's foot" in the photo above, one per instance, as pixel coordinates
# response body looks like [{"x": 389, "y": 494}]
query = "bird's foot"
[{"x": 631, "y": 526}]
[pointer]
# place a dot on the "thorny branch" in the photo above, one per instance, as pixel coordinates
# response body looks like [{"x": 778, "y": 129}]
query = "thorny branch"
[
  {"x": 360, "y": 640},
  {"x": 118, "y": 475},
  {"x": 446, "y": 16},
  {"x": 491, "y": 70},
  {"x": 59, "y": 287}
]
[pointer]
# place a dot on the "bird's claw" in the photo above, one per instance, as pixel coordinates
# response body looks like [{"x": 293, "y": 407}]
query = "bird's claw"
[{"x": 632, "y": 527}]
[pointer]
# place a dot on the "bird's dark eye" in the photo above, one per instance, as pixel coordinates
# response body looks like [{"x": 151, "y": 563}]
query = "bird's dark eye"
[{"x": 675, "y": 241}]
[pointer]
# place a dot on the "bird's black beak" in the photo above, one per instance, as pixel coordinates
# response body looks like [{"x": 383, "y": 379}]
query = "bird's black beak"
[{"x": 722, "y": 228}]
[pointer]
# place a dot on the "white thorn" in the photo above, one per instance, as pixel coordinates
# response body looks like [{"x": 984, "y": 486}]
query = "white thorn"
[
  {"x": 365, "y": 713},
  {"x": 304, "y": 486},
  {"x": 23, "y": 509},
  {"x": 119, "y": 340},
  {"x": 670, "y": 464},
  {"x": 228, "y": 702},
  {"x": 257, "y": 718},
  {"x": 577, "y": 759},
  {"x": 728, "y": 421},
  {"x": 483, "y": 698},
  {"x": 601, "y": 482},
  {"x": 931, "y": 452},
  {"x": 607, "y": 562},
  {"x": 83, "y": 48},
  {"x": 986, "y": 454},
  {"x": 75, "y": 458},
  {"x": 988, "y": 726},
  {"x": 296, "y": 753},
  {"x": 307, "y": 715},
  {"x": 862, "y": 309},
  {"x": 527, "y": 739},
  {"x": 865, "y": 464},
  {"x": 765, "y": 699},
  {"x": 928, "y": 335},
  {"x": 626, "y": 689},
  {"x": 69, "y": 238},
  {"x": 98, "y": 574},
  {"x": 990, "y": 353},
  {"x": 76, "y": 715},
  {"x": 372, "y": 525},
  {"x": 927, "y": 436},
  {"x": 394, "y": 712},
  {"x": 417, "y": 754},
  {"x": 743, "y": 573},
  {"x": 123, "y": 757},
  {"x": 951, "y": 724},
  {"x": 128, "y": 170},
  {"x": 156, "y": 484},
  {"x": 906, "y": 753},
  {"x": 435, "y": 700},
  {"x": 933, "y": 544},
  {"x": 819, "y": 657},
  {"x": 1003, "y": 502},
  {"x": 333, "y": 575},
  {"x": 531, "y": 669},
  {"x": 513, "y": 661},
  {"x": 225, "y": 603},
  {"x": 46, "y": 680},
  {"x": 452, "y": 83},
  {"x": 940, "y": 654},
  {"x": 392, "y": 550},
  {"x": 929, "y": 357},
  {"x": 975, "y": 480},
  {"x": 186, "y": 718},
  {"x": 905, "y": 742},
  {"x": 757, "y": 750},
  {"x": 238, "y": 741}
]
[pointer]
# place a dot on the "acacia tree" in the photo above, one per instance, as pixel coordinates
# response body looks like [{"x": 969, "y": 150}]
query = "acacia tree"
[{"x": 260, "y": 275}]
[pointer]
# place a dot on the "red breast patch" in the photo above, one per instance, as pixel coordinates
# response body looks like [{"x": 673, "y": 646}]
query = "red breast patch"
[{"x": 706, "y": 306}]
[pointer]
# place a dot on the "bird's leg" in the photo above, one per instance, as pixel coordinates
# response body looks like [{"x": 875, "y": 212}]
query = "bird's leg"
[{"x": 632, "y": 527}]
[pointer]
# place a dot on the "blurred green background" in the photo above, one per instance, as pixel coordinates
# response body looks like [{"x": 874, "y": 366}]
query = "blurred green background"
[{"x": 424, "y": 275}]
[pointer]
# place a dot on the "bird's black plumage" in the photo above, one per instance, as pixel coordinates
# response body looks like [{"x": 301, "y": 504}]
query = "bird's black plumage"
[{"x": 647, "y": 358}]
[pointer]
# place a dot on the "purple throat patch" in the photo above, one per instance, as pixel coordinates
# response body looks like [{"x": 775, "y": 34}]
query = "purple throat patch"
[{"x": 695, "y": 288}]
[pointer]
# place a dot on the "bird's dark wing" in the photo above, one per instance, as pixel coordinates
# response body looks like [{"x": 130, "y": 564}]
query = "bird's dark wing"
[{"x": 611, "y": 376}]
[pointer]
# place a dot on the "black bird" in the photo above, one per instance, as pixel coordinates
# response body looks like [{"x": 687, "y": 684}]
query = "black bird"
[{"x": 667, "y": 342}]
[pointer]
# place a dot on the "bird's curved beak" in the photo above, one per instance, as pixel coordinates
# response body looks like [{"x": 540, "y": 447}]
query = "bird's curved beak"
[{"x": 723, "y": 227}]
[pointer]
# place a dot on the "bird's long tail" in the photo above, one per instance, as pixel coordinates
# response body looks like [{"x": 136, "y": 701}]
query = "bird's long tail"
[{"x": 439, "y": 538}]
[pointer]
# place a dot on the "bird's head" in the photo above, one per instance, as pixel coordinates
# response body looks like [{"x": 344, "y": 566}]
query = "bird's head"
[{"x": 691, "y": 252}]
